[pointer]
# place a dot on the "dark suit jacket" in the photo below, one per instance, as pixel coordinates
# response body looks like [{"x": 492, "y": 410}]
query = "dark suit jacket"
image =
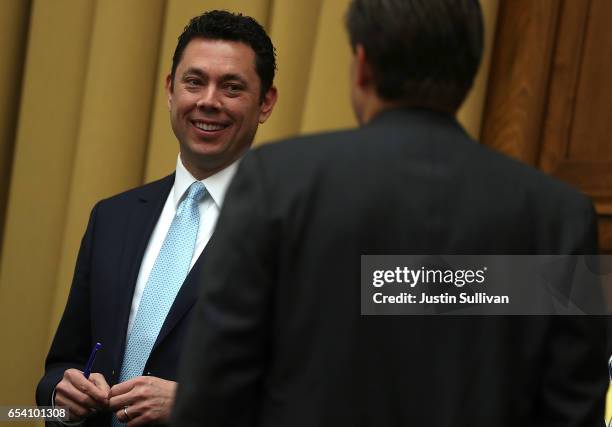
[
  {"x": 278, "y": 339},
  {"x": 99, "y": 303}
]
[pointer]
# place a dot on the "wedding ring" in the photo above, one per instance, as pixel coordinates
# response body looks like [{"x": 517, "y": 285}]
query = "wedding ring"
[{"x": 125, "y": 412}]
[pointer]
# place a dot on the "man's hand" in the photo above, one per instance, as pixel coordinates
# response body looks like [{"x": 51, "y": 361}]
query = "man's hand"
[
  {"x": 82, "y": 396},
  {"x": 149, "y": 400}
]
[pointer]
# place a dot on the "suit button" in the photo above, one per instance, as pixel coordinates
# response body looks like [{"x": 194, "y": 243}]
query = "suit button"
[{"x": 148, "y": 373}]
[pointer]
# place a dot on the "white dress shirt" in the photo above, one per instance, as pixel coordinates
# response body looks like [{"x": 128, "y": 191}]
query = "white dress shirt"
[{"x": 216, "y": 186}]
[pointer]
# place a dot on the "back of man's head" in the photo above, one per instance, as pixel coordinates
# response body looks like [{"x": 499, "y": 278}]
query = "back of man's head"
[{"x": 423, "y": 53}]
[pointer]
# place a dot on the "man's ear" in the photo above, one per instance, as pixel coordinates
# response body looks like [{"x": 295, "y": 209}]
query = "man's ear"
[
  {"x": 169, "y": 90},
  {"x": 364, "y": 75},
  {"x": 268, "y": 104}
]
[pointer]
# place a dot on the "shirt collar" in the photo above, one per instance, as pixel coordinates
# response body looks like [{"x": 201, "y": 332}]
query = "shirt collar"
[{"x": 216, "y": 184}]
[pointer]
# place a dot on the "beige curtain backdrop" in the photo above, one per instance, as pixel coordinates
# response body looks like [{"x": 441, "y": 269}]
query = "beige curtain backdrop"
[{"x": 83, "y": 116}]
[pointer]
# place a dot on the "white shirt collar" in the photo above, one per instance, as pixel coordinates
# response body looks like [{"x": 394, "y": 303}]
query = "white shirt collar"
[{"x": 216, "y": 184}]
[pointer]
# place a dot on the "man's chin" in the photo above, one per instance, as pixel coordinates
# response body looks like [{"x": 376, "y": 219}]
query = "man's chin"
[
  {"x": 205, "y": 151},
  {"x": 205, "y": 162}
]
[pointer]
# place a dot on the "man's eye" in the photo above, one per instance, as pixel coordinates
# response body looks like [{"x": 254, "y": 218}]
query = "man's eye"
[
  {"x": 192, "y": 82},
  {"x": 233, "y": 87}
]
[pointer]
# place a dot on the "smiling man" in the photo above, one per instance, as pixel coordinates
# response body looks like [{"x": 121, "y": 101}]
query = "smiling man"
[
  {"x": 216, "y": 100},
  {"x": 134, "y": 287}
]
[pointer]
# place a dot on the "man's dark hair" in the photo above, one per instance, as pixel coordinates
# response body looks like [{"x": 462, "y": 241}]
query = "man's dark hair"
[
  {"x": 223, "y": 25},
  {"x": 423, "y": 52}
]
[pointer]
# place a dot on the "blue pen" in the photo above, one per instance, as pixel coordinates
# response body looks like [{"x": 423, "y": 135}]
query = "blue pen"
[{"x": 92, "y": 357}]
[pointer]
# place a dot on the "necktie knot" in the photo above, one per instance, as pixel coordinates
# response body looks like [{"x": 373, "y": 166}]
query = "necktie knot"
[{"x": 196, "y": 191}]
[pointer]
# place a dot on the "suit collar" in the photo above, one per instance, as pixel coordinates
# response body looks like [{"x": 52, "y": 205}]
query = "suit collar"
[
  {"x": 156, "y": 190},
  {"x": 414, "y": 117}
]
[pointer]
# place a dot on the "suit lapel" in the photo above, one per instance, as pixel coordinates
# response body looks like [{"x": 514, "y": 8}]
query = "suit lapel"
[{"x": 142, "y": 215}]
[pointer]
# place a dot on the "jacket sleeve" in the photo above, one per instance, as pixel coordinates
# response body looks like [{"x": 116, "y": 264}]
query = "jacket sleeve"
[
  {"x": 575, "y": 377},
  {"x": 72, "y": 341}
]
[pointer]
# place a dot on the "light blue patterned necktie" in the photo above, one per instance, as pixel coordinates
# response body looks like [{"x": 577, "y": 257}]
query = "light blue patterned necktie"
[{"x": 167, "y": 276}]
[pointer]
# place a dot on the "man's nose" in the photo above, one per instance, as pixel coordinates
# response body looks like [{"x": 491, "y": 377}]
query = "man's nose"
[{"x": 209, "y": 99}]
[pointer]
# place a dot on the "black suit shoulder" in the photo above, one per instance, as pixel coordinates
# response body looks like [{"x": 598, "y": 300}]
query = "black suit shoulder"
[
  {"x": 311, "y": 154},
  {"x": 424, "y": 166},
  {"x": 145, "y": 192}
]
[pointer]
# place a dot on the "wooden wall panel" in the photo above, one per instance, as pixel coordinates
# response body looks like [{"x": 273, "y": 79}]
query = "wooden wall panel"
[
  {"x": 577, "y": 127},
  {"x": 592, "y": 123},
  {"x": 550, "y": 96},
  {"x": 563, "y": 85},
  {"x": 518, "y": 80}
]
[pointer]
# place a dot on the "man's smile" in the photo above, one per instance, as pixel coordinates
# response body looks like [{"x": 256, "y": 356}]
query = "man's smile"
[{"x": 208, "y": 127}]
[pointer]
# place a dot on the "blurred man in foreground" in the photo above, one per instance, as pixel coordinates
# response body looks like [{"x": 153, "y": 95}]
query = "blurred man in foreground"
[{"x": 278, "y": 339}]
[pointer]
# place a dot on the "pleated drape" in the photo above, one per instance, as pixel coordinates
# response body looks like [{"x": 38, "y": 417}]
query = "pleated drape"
[{"x": 47, "y": 122}]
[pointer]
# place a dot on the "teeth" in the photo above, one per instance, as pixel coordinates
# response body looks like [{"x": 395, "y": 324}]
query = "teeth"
[{"x": 208, "y": 126}]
